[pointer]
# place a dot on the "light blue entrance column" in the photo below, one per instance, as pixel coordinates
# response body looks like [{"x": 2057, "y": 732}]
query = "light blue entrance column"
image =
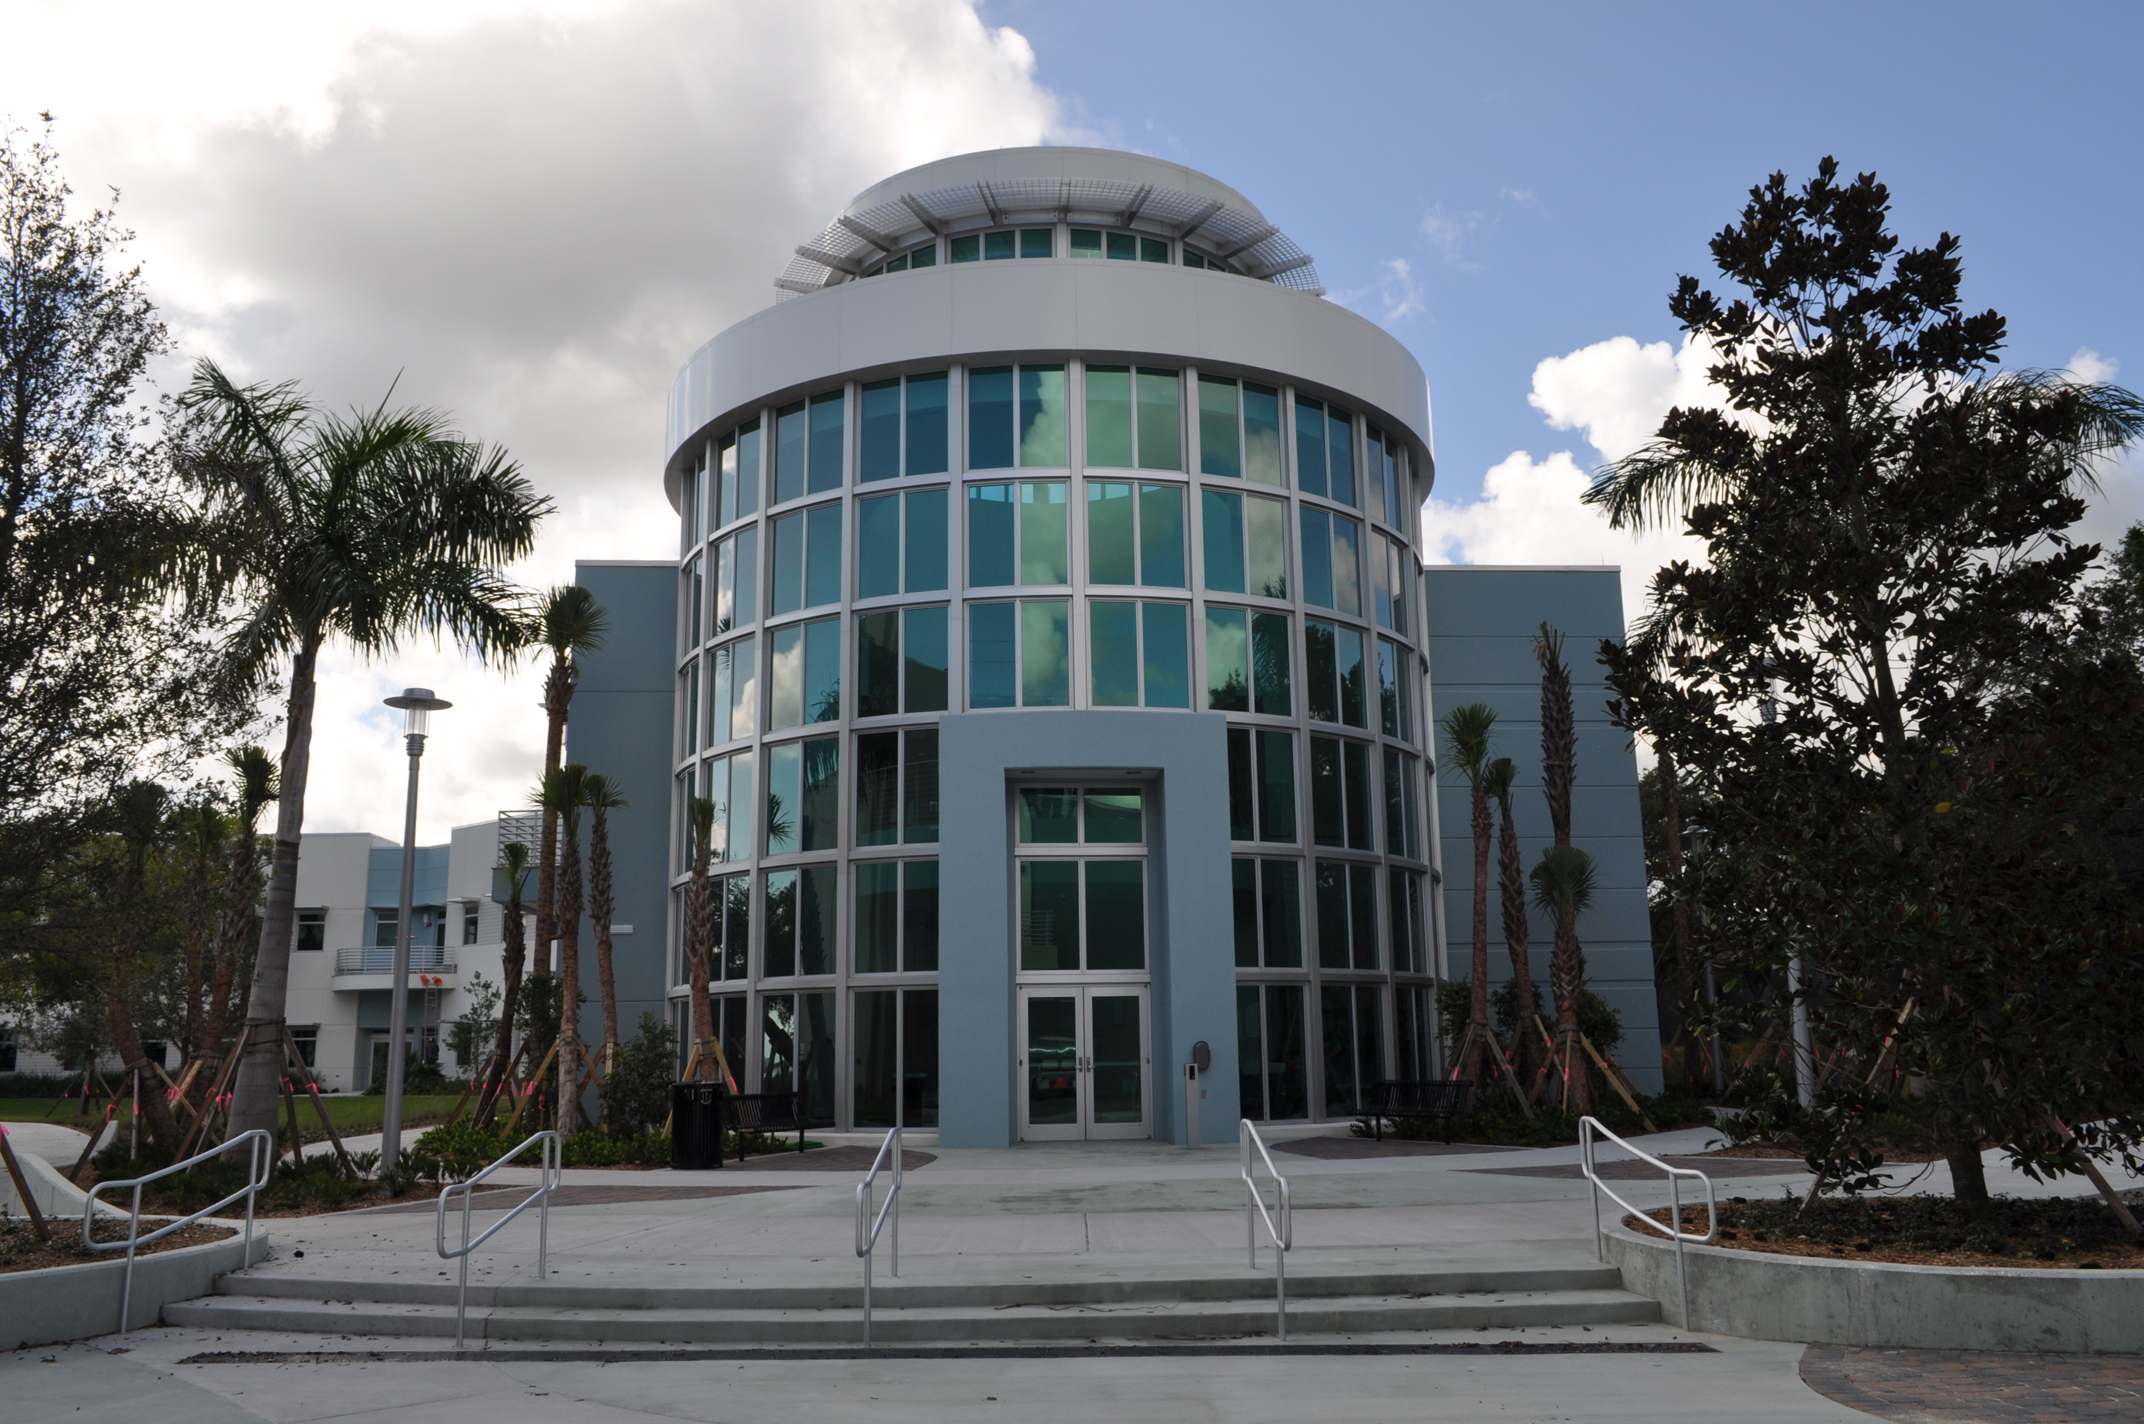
[{"x": 1191, "y": 951}]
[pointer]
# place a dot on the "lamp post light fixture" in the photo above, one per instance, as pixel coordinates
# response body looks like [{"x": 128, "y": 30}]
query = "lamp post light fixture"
[{"x": 417, "y": 704}]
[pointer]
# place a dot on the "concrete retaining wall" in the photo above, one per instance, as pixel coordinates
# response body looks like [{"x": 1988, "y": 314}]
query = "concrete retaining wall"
[
  {"x": 1767, "y": 1297},
  {"x": 76, "y": 1302}
]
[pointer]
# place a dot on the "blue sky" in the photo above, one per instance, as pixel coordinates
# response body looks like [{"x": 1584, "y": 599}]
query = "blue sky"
[{"x": 1546, "y": 171}]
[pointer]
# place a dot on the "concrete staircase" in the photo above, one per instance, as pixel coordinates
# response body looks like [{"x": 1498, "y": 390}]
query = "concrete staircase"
[{"x": 1178, "y": 1305}]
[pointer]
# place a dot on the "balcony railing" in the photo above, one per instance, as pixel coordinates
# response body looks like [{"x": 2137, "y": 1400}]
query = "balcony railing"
[{"x": 423, "y": 959}]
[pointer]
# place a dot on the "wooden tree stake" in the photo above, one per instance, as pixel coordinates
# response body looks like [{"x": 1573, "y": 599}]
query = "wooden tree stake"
[{"x": 22, "y": 1187}]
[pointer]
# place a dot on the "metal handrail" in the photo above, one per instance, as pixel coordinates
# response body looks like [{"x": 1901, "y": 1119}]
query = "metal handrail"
[
  {"x": 260, "y": 1144},
  {"x": 541, "y": 1198},
  {"x": 1283, "y": 1234},
  {"x": 1587, "y": 1127},
  {"x": 867, "y": 1246}
]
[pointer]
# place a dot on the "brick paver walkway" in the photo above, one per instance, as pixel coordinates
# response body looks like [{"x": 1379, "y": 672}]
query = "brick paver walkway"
[{"x": 1930, "y": 1385}]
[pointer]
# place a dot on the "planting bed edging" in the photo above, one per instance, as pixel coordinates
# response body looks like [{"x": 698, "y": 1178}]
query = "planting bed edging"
[
  {"x": 77, "y": 1302},
  {"x": 1762, "y": 1296}
]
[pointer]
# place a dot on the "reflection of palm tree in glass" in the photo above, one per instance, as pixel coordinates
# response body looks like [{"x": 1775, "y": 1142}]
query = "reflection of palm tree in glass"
[
  {"x": 828, "y": 707},
  {"x": 1232, "y": 694},
  {"x": 737, "y": 922},
  {"x": 778, "y": 1057},
  {"x": 1269, "y": 664},
  {"x": 779, "y": 826},
  {"x": 1274, "y": 588}
]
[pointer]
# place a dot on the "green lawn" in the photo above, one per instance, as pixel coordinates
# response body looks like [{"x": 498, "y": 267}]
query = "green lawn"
[{"x": 352, "y": 1115}]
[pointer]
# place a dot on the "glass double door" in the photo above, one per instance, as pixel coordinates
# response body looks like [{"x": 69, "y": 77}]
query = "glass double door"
[{"x": 1084, "y": 1062}]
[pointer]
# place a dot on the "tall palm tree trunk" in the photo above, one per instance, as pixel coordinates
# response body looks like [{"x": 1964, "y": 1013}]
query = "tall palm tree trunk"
[
  {"x": 1471, "y": 1065},
  {"x": 153, "y": 1106},
  {"x": 513, "y": 956},
  {"x": 1567, "y": 976},
  {"x": 569, "y": 982},
  {"x": 1559, "y": 733},
  {"x": 557, "y": 695},
  {"x": 699, "y": 923},
  {"x": 600, "y": 908},
  {"x": 1511, "y": 882},
  {"x": 260, "y": 1071}
]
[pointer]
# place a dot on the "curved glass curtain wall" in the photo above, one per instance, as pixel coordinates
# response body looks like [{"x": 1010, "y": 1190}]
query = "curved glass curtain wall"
[
  {"x": 1053, "y": 534},
  {"x": 1004, "y": 243}
]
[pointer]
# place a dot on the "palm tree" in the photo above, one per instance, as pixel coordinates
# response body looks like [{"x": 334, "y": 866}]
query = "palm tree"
[
  {"x": 603, "y": 797},
  {"x": 1511, "y": 883},
  {"x": 699, "y": 935},
  {"x": 1559, "y": 733},
  {"x": 563, "y": 793},
  {"x": 200, "y": 831},
  {"x": 137, "y": 813},
  {"x": 1467, "y": 731},
  {"x": 1563, "y": 887},
  {"x": 365, "y": 528},
  {"x": 571, "y": 623},
  {"x": 240, "y": 905},
  {"x": 513, "y": 959}
]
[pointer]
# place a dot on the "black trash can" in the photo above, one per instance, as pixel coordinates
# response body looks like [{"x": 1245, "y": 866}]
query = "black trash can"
[{"x": 695, "y": 1126}]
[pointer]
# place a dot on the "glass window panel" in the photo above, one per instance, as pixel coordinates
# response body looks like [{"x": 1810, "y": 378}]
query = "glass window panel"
[
  {"x": 1321, "y": 671},
  {"x": 1109, "y": 416},
  {"x": 878, "y": 546},
  {"x": 1110, "y": 543},
  {"x": 964, "y": 249},
  {"x": 926, "y": 399},
  {"x": 1043, "y": 556},
  {"x": 781, "y": 924},
  {"x": 1123, "y": 246},
  {"x": 736, "y": 914},
  {"x": 924, "y": 256},
  {"x": 919, "y": 921},
  {"x": 1381, "y": 568},
  {"x": 1242, "y": 812},
  {"x": 1228, "y": 660},
  {"x": 786, "y": 679},
  {"x": 1220, "y": 446},
  {"x": 744, "y": 688},
  {"x": 1269, "y": 664},
  {"x": 725, "y": 586},
  {"x": 1317, "y": 558},
  {"x": 817, "y": 1068},
  {"x": 990, "y": 412},
  {"x": 1339, "y": 437},
  {"x": 1268, "y": 547},
  {"x": 1192, "y": 259},
  {"x": 1153, "y": 249},
  {"x": 1332, "y": 915},
  {"x": 919, "y": 1057},
  {"x": 1280, "y": 908},
  {"x": 692, "y": 707},
  {"x": 1395, "y": 805},
  {"x": 1086, "y": 244},
  {"x": 1348, "y": 649},
  {"x": 747, "y": 576},
  {"x": 1161, "y": 536},
  {"x": 1038, "y": 242},
  {"x": 1049, "y": 914},
  {"x": 822, "y": 568},
  {"x": 878, "y": 918},
  {"x": 1168, "y": 654},
  {"x": 817, "y": 907},
  {"x": 1389, "y": 465},
  {"x": 878, "y": 788},
  {"x": 877, "y": 1027},
  {"x": 1347, "y": 583},
  {"x": 788, "y": 564},
  {"x": 1221, "y": 515},
  {"x": 1243, "y": 905},
  {"x": 1288, "y": 1056},
  {"x": 925, "y": 541},
  {"x": 898, "y": 264},
  {"x": 822, "y": 670},
  {"x": 748, "y": 472},
  {"x": 1362, "y": 914},
  {"x": 1250, "y": 1046},
  {"x": 1048, "y": 816},
  {"x": 878, "y": 446},
  {"x": 1388, "y": 691},
  {"x": 1328, "y": 819},
  {"x": 990, "y": 655},
  {"x": 1115, "y": 817},
  {"x": 1373, "y": 460},
  {"x": 696, "y": 595},
  {"x": 1042, "y": 415},
  {"x": 991, "y": 544},
  {"x": 1369, "y": 1039},
  {"x": 1310, "y": 446},
  {"x": 1261, "y": 434},
  {"x": 1052, "y": 1058},
  {"x": 785, "y": 764},
  {"x": 1116, "y": 914},
  {"x": 997, "y": 246},
  {"x": 1161, "y": 436},
  {"x": 718, "y": 699},
  {"x": 924, "y": 652},
  {"x": 726, "y": 491},
  {"x": 1396, "y": 564},
  {"x": 920, "y": 786},
  {"x": 791, "y": 429},
  {"x": 1113, "y": 653},
  {"x": 1276, "y": 786},
  {"x": 1412, "y": 819},
  {"x": 1045, "y": 655},
  {"x": 778, "y": 1036},
  {"x": 1355, "y": 764}
]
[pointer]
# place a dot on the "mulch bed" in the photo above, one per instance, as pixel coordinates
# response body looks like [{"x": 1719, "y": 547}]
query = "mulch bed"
[
  {"x": 20, "y": 1250},
  {"x": 1626, "y": 1170},
  {"x": 1922, "y": 1385},
  {"x": 1353, "y": 1149},
  {"x": 2047, "y": 1234}
]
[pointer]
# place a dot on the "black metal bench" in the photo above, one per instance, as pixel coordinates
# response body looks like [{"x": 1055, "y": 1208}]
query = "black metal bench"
[
  {"x": 766, "y": 1112},
  {"x": 1420, "y": 1100}
]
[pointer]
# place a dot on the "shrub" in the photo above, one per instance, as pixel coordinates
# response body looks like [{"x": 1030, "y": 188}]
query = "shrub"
[
  {"x": 1598, "y": 1020},
  {"x": 636, "y": 1095}
]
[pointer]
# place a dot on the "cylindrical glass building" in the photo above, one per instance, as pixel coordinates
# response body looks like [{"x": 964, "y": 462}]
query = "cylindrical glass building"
[{"x": 1050, "y": 645}]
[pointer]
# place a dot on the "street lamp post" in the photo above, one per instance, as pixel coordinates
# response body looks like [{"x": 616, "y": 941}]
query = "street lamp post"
[{"x": 417, "y": 704}]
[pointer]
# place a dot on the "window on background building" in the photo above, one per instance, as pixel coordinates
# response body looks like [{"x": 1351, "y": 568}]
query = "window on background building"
[
  {"x": 1239, "y": 429},
  {"x": 1353, "y": 1032},
  {"x": 736, "y": 581},
  {"x": 1247, "y": 662},
  {"x": 804, "y": 796},
  {"x": 807, "y": 559},
  {"x": 1333, "y": 673},
  {"x": 1331, "y": 559},
  {"x": 695, "y": 592},
  {"x": 901, "y": 428},
  {"x": 896, "y": 925},
  {"x": 797, "y": 1051},
  {"x": 1019, "y": 655},
  {"x": 1135, "y": 534},
  {"x": 1340, "y": 806},
  {"x": 1016, "y": 415},
  {"x": 690, "y": 682},
  {"x": 1324, "y": 451},
  {"x": 1389, "y": 563},
  {"x": 738, "y": 488},
  {"x": 1268, "y": 912},
  {"x": 897, "y": 554},
  {"x": 727, "y": 782},
  {"x": 1082, "y": 914},
  {"x": 306, "y": 1038},
  {"x": 470, "y": 921},
  {"x": 804, "y": 674},
  {"x": 1414, "y": 1019},
  {"x": 897, "y": 786},
  {"x": 1395, "y": 691},
  {"x": 1017, "y": 533},
  {"x": 1138, "y": 654},
  {"x": 1402, "y": 823},
  {"x": 801, "y": 927},
  {"x": 1346, "y": 905},
  {"x": 1261, "y": 785},
  {"x": 1245, "y": 542},
  {"x": 733, "y": 703},
  {"x": 313, "y": 929},
  {"x": 901, "y": 661},
  {"x": 1134, "y": 418},
  {"x": 1271, "y": 1052},
  {"x": 383, "y": 928},
  {"x": 1410, "y": 923},
  {"x": 896, "y": 1083},
  {"x": 1381, "y": 466},
  {"x": 729, "y": 929}
]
